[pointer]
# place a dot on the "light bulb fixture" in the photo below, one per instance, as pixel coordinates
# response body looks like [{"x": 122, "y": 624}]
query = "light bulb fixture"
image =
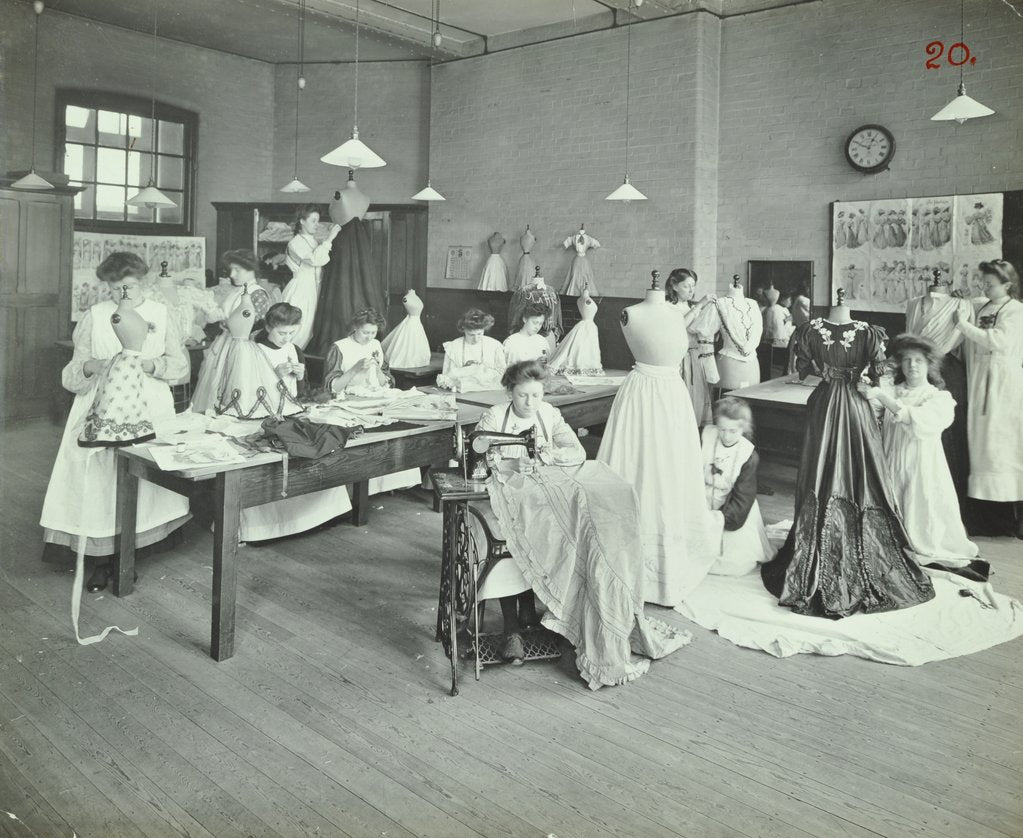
[
  {"x": 32, "y": 180},
  {"x": 151, "y": 197},
  {"x": 428, "y": 194},
  {"x": 438, "y": 37},
  {"x": 354, "y": 153},
  {"x": 295, "y": 185},
  {"x": 627, "y": 192},
  {"x": 962, "y": 107}
]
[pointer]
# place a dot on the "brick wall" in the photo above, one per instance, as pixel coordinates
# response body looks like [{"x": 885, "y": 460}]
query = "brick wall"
[
  {"x": 394, "y": 120},
  {"x": 536, "y": 135},
  {"x": 233, "y": 96},
  {"x": 796, "y": 82}
]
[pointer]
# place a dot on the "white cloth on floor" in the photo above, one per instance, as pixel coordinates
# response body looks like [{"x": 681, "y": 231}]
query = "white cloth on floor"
[
  {"x": 651, "y": 440},
  {"x": 743, "y": 612}
]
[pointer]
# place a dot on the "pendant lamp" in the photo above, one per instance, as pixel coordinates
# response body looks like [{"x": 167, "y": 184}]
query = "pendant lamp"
[
  {"x": 962, "y": 107},
  {"x": 32, "y": 180},
  {"x": 296, "y": 185},
  {"x": 152, "y": 197},
  {"x": 428, "y": 194},
  {"x": 354, "y": 153},
  {"x": 627, "y": 192}
]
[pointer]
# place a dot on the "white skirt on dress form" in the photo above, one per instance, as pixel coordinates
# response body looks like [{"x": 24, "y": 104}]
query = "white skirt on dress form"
[
  {"x": 579, "y": 352},
  {"x": 651, "y": 440},
  {"x": 406, "y": 345},
  {"x": 495, "y": 275}
]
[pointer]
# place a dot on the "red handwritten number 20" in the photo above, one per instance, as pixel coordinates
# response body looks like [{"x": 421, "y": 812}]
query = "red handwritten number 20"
[{"x": 935, "y": 49}]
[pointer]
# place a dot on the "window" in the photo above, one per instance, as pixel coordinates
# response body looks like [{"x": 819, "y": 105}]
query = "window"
[{"x": 108, "y": 142}]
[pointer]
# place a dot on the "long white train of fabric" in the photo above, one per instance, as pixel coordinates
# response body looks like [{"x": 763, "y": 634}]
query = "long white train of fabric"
[{"x": 76, "y": 588}]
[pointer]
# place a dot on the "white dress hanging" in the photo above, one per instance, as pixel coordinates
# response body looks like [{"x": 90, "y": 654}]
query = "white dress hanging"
[{"x": 406, "y": 345}]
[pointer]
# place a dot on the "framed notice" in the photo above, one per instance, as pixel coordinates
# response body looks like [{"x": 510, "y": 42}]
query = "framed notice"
[{"x": 460, "y": 262}]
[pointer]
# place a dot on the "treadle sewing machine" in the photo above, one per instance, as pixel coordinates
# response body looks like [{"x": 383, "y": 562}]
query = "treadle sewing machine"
[
  {"x": 474, "y": 458},
  {"x": 473, "y": 544}
]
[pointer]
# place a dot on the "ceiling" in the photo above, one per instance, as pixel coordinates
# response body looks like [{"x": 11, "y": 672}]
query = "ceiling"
[{"x": 390, "y": 29}]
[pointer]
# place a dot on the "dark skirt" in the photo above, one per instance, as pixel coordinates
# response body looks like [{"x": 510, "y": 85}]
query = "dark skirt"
[
  {"x": 847, "y": 551},
  {"x": 954, "y": 439}
]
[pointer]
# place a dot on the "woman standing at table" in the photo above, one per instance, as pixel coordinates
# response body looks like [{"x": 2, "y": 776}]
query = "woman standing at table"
[
  {"x": 305, "y": 258},
  {"x": 80, "y": 499},
  {"x": 994, "y": 374}
]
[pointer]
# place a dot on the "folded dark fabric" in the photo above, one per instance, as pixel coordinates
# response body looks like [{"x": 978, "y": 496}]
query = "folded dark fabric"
[{"x": 300, "y": 438}]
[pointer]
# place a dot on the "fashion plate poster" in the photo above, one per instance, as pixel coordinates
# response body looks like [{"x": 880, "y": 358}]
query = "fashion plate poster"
[{"x": 884, "y": 253}]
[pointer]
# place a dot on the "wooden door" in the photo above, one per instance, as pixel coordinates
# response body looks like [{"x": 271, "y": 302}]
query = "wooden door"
[{"x": 35, "y": 298}]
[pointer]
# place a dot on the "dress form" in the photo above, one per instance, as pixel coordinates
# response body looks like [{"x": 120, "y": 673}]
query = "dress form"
[
  {"x": 348, "y": 203},
  {"x": 495, "y": 272},
  {"x": 651, "y": 329},
  {"x": 580, "y": 274},
  {"x": 840, "y": 314},
  {"x": 406, "y": 345},
  {"x": 527, "y": 267},
  {"x": 742, "y": 325},
  {"x": 579, "y": 352}
]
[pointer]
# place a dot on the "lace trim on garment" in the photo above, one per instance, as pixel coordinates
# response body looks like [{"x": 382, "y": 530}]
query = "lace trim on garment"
[
  {"x": 848, "y": 336},
  {"x": 743, "y": 316}
]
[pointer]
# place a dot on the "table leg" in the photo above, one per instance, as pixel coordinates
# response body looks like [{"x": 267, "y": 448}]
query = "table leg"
[
  {"x": 360, "y": 503},
  {"x": 227, "y": 516},
  {"x": 452, "y": 603},
  {"x": 126, "y": 520}
]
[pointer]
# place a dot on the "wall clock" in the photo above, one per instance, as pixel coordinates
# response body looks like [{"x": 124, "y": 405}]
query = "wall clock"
[{"x": 870, "y": 149}]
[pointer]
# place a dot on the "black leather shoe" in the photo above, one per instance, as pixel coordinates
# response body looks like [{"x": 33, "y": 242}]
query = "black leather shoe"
[{"x": 99, "y": 578}]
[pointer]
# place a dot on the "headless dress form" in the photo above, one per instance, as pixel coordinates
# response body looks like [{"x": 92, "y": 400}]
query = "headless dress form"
[
  {"x": 527, "y": 267},
  {"x": 652, "y": 441},
  {"x": 350, "y": 282},
  {"x": 741, "y": 328},
  {"x": 579, "y": 352},
  {"x": 406, "y": 345},
  {"x": 495, "y": 272}
]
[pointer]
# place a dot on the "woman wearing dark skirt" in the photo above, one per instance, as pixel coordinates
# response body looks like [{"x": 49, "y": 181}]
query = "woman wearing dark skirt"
[{"x": 847, "y": 551}]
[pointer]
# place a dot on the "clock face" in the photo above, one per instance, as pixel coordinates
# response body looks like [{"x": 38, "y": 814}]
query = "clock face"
[{"x": 870, "y": 148}]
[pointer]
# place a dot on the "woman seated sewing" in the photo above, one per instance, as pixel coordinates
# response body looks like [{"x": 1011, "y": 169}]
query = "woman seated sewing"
[
  {"x": 473, "y": 361},
  {"x": 556, "y": 444}
]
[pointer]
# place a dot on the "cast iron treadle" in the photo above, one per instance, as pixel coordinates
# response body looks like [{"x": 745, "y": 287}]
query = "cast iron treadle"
[{"x": 540, "y": 645}]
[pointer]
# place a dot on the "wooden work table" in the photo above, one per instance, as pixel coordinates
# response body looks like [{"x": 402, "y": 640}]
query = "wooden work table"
[
  {"x": 260, "y": 479},
  {"x": 779, "y": 413}
]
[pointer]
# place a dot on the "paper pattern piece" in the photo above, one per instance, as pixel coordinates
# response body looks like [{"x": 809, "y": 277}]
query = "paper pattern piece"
[{"x": 883, "y": 253}]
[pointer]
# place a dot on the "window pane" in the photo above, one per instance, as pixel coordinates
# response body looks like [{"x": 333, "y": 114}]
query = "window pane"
[
  {"x": 170, "y": 215},
  {"x": 170, "y": 172},
  {"x": 139, "y": 166},
  {"x": 110, "y": 202},
  {"x": 110, "y": 165},
  {"x": 172, "y": 137},
  {"x": 80, "y": 124},
  {"x": 80, "y": 162},
  {"x": 143, "y": 214},
  {"x": 85, "y": 202},
  {"x": 112, "y": 128},
  {"x": 140, "y": 133}
]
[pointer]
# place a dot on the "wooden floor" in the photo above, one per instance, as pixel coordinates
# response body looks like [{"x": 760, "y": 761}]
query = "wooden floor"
[{"x": 333, "y": 717}]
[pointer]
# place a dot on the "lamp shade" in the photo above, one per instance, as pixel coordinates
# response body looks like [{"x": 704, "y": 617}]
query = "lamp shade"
[
  {"x": 151, "y": 197},
  {"x": 295, "y": 186},
  {"x": 31, "y": 181},
  {"x": 962, "y": 108},
  {"x": 428, "y": 194},
  {"x": 626, "y": 192},
  {"x": 354, "y": 154}
]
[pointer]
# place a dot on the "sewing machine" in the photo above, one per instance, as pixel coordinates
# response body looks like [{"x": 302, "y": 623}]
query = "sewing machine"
[{"x": 473, "y": 458}]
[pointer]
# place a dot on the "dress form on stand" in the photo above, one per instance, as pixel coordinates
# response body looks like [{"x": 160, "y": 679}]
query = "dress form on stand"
[
  {"x": 348, "y": 203},
  {"x": 580, "y": 273},
  {"x": 742, "y": 326},
  {"x": 651, "y": 329},
  {"x": 406, "y": 345},
  {"x": 579, "y": 352},
  {"x": 527, "y": 267},
  {"x": 495, "y": 272},
  {"x": 840, "y": 314},
  {"x": 777, "y": 330}
]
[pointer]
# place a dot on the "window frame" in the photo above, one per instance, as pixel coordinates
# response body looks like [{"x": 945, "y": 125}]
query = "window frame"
[{"x": 142, "y": 107}]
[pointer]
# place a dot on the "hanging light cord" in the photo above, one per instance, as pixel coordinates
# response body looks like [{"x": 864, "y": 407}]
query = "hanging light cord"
[
  {"x": 628, "y": 85},
  {"x": 152, "y": 168},
  {"x": 35, "y": 92},
  {"x": 962, "y": 34},
  {"x": 301, "y": 67},
  {"x": 356, "y": 124}
]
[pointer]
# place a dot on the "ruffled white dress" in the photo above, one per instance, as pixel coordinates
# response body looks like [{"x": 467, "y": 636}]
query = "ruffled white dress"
[
  {"x": 921, "y": 478},
  {"x": 652, "y": 441},
  {"x": 80, "y": 499}
]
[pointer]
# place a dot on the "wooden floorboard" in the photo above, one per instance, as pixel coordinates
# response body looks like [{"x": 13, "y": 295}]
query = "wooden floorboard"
[{"x": 333, "y": 718}]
